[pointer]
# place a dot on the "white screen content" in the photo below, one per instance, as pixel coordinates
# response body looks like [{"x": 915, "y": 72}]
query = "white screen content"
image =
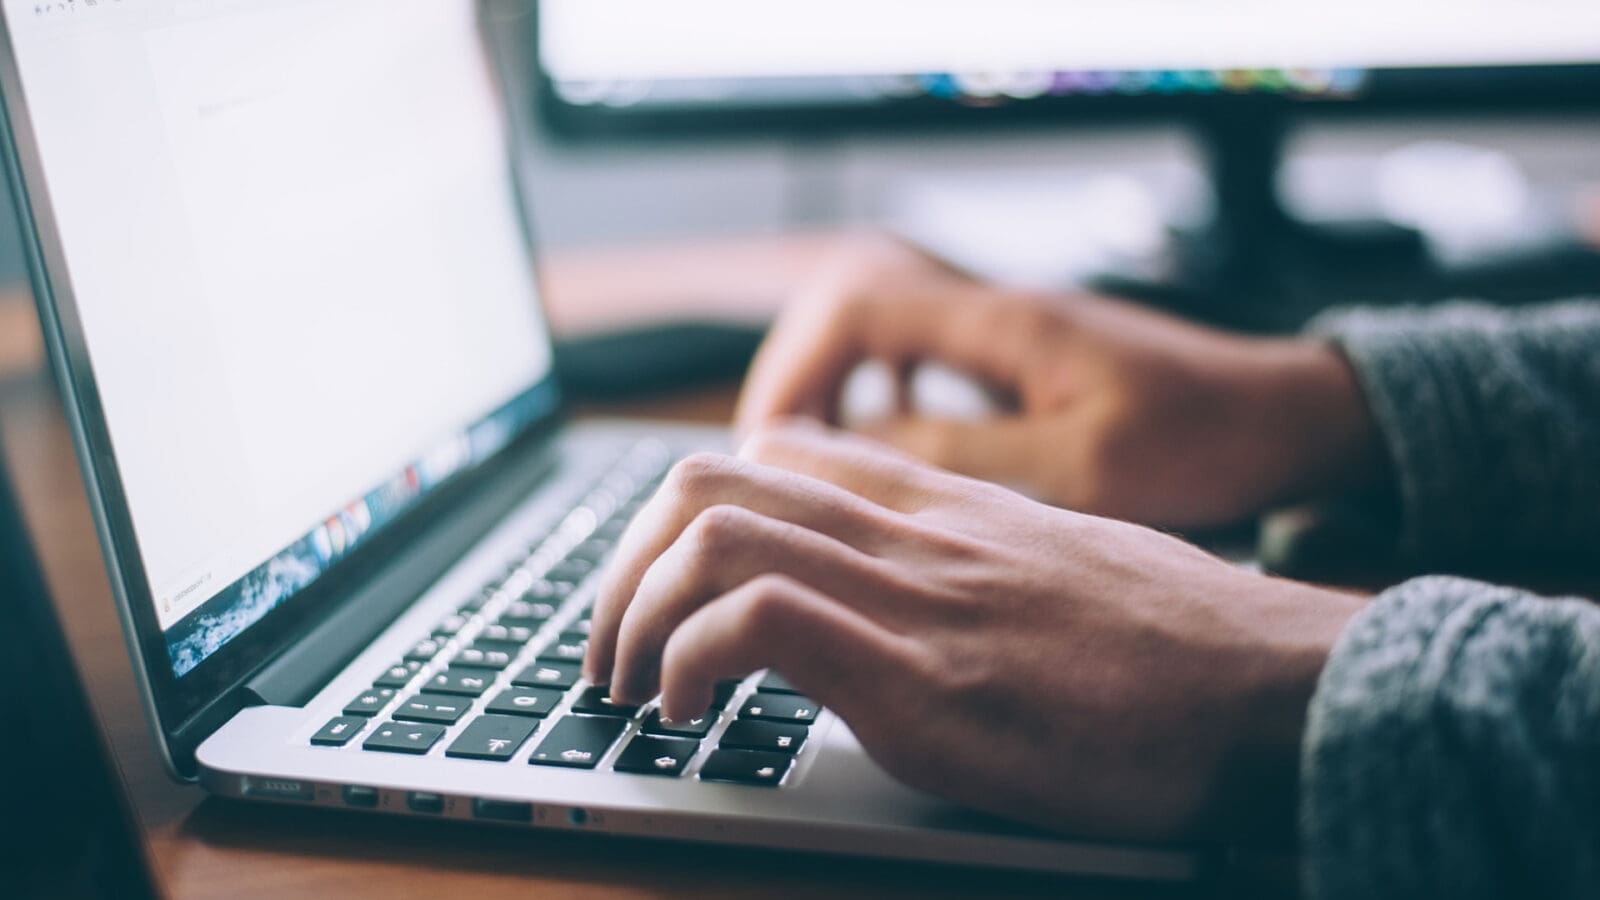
[
  {"x": 619, "y": 40},
  {"x": 293, "y": 242}
]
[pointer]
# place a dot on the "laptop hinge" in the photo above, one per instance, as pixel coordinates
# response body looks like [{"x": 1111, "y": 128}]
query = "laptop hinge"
[{"x": 302, "y": 669}]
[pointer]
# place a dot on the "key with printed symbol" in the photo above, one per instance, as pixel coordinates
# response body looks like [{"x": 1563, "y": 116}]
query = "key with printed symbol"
[
  {"x": 487, "y": 655},
  {"x": 448, "y": 626},
  {"x": 404, "y": 737},
  {"x": 462, "y": 682},
  {"x": 750, "y": 734},
  {"x": 578, "y": 742},
  {"x": 516, "y": 635},
  {"x": 548, "y": 674},
  {"x": 526, "y": 701},
  {"x": 398, "y": 675},
  {"x": 647, "y": 755},
  {"x": 566, "y": 648},
  {"x": 442, "y": 708},
  {"x": 597, "y": 701},
  {"x": 746, "y": 767},
  {"x": 425, "y": 649},
  {"x": 779, "y": 708},
  {"x": 693, "y": 728},
  {"x": 338, "y": 731},
  {"x": 369, "y": 703},
  {"x": 526, "y": 614},
  {"x": 493, "y": 738}
]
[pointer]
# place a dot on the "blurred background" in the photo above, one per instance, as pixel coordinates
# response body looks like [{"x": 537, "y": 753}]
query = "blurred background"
[{"x": 1419, "y": 163}]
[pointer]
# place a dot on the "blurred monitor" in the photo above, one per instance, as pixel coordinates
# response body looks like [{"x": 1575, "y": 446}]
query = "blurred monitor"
[{"x": 620, "y": 65}]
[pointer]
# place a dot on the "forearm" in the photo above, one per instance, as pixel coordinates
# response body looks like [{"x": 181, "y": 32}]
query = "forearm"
[
  {"x": 1490, "y": 419},
  {"x": 1453, "y": 748}
]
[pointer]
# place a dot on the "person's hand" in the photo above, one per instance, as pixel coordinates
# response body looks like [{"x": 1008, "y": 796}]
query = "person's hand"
[
  {"x": 1079, "y": 673},
  {"x": 1114, "y": 409}
]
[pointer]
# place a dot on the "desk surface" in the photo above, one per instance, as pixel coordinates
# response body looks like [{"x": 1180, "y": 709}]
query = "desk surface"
[{"x": 204, "y": 847}]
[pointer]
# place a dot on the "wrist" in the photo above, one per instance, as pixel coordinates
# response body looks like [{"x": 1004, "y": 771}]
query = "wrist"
[
  {"x": 1255, "y": 793},
  {"x": 1317, "y": 416}
]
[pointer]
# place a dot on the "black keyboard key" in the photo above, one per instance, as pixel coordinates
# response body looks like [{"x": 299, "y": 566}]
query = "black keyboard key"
[
  {"x": 590, "y": 551},
  {"x": 338, "y": 731},
  {"x": 449, "y": 625},
  {"x": 596, "y": 701},
  {"x": 527, "y": 613},
  {"x": 493, "y": 738},
  {"x": 780, "y": 708},
  {"x": 487, "y": 655},
  {"x": 442, "y": 708},
  {"x": 577, "y": 742},
  {"x": 569, "y": 572},
  {"x": 368, "y": 703},
  {"x": 749, "y": 734},
  {"x": 547, "y": 592},
  {"x": 404, "y": 737},
  {"x": 746, "y": 767},
  {"x": 516, "y": 635},
  {"x": 548, "y": 674},
  {"x": 462, "y": 682},
  {"x": 426, "y": 649},
  {"x": 398, "y": 675},
  {"x": 566, "y": 648},
  {"x": 526, "y": 701},
  {"x": 693, "y": 728},
  {"x": 773, "y": 683},
  {"x": 647, "y": 755},
  {"x": 722, "y": 692}
]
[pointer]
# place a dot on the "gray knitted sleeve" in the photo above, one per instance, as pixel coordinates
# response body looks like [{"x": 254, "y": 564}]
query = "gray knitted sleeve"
[
  {"x": 1492, "y": 422},
  {"x": 1453, "y": 748}
]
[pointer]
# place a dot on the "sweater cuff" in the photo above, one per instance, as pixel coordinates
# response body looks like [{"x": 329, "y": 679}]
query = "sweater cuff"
[{"x": 1444, "y": 747}]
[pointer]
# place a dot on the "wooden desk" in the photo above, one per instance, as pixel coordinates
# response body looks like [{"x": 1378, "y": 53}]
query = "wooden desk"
[{"x": 204, "y": 847}]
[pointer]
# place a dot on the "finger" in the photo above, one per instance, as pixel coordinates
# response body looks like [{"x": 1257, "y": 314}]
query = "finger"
[
  {"x": 723, "y": 548},
  {"x": 703, "y": 481},
  {"x": 871, "y": 469},
  {"x": 834, "y": 654},
  {"x": 1006, "y": 449},
  {"x": 816, "y": 343}
]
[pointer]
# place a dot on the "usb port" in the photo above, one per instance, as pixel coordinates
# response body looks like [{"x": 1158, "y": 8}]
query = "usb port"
[
  {"x": 359, "y": 795},
  {"x": 418, "y": 801},
  {"x": 502, "y": 810}
]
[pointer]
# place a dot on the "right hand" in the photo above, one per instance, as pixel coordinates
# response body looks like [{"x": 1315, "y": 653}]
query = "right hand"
[{"x": 1114, "y": 409}]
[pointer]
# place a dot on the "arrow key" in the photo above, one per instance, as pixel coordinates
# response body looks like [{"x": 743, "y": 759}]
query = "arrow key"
[
  {"x": 493, "y": 738},
  {"x": 646, "y": 755},
  {"x": 404, "y": 737}
]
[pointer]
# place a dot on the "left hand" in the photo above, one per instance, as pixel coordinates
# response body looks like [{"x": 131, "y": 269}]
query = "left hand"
[{"x": 1079, "y": 673}]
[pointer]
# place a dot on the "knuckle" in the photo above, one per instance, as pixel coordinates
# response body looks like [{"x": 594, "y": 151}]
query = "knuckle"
[
  {"x": 697, "y": 473},
  {"x": 767, "y": 442},
  {"x": 768, "y": 601},
  {"x": 718, "y": 529}
]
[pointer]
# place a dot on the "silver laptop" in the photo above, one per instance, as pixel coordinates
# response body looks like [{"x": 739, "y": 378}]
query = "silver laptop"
[{"x": 280, "y": 255}]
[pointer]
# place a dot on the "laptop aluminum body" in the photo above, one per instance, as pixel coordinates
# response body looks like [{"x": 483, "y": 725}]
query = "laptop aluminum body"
[{"x": 249, "y": 656}]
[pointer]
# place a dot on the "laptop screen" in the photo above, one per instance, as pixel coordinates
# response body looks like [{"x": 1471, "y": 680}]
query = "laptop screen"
[{"x": 292, "y": 238}]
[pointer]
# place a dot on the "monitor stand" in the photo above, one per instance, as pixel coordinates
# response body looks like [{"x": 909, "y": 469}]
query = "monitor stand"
[{"x": 1253, "y": 265}]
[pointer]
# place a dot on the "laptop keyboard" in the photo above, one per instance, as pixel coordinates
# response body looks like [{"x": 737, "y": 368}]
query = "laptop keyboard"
[{"x": 501, "y": 673}]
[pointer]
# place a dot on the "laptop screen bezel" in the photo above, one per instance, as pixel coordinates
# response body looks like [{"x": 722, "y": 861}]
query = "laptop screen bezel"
[{"x": 173, "y": 703}]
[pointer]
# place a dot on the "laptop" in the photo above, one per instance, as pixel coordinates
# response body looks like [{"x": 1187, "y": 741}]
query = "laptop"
[
  {"x": 280, "y": 253},
  {"x": 80, "y": 839}
]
